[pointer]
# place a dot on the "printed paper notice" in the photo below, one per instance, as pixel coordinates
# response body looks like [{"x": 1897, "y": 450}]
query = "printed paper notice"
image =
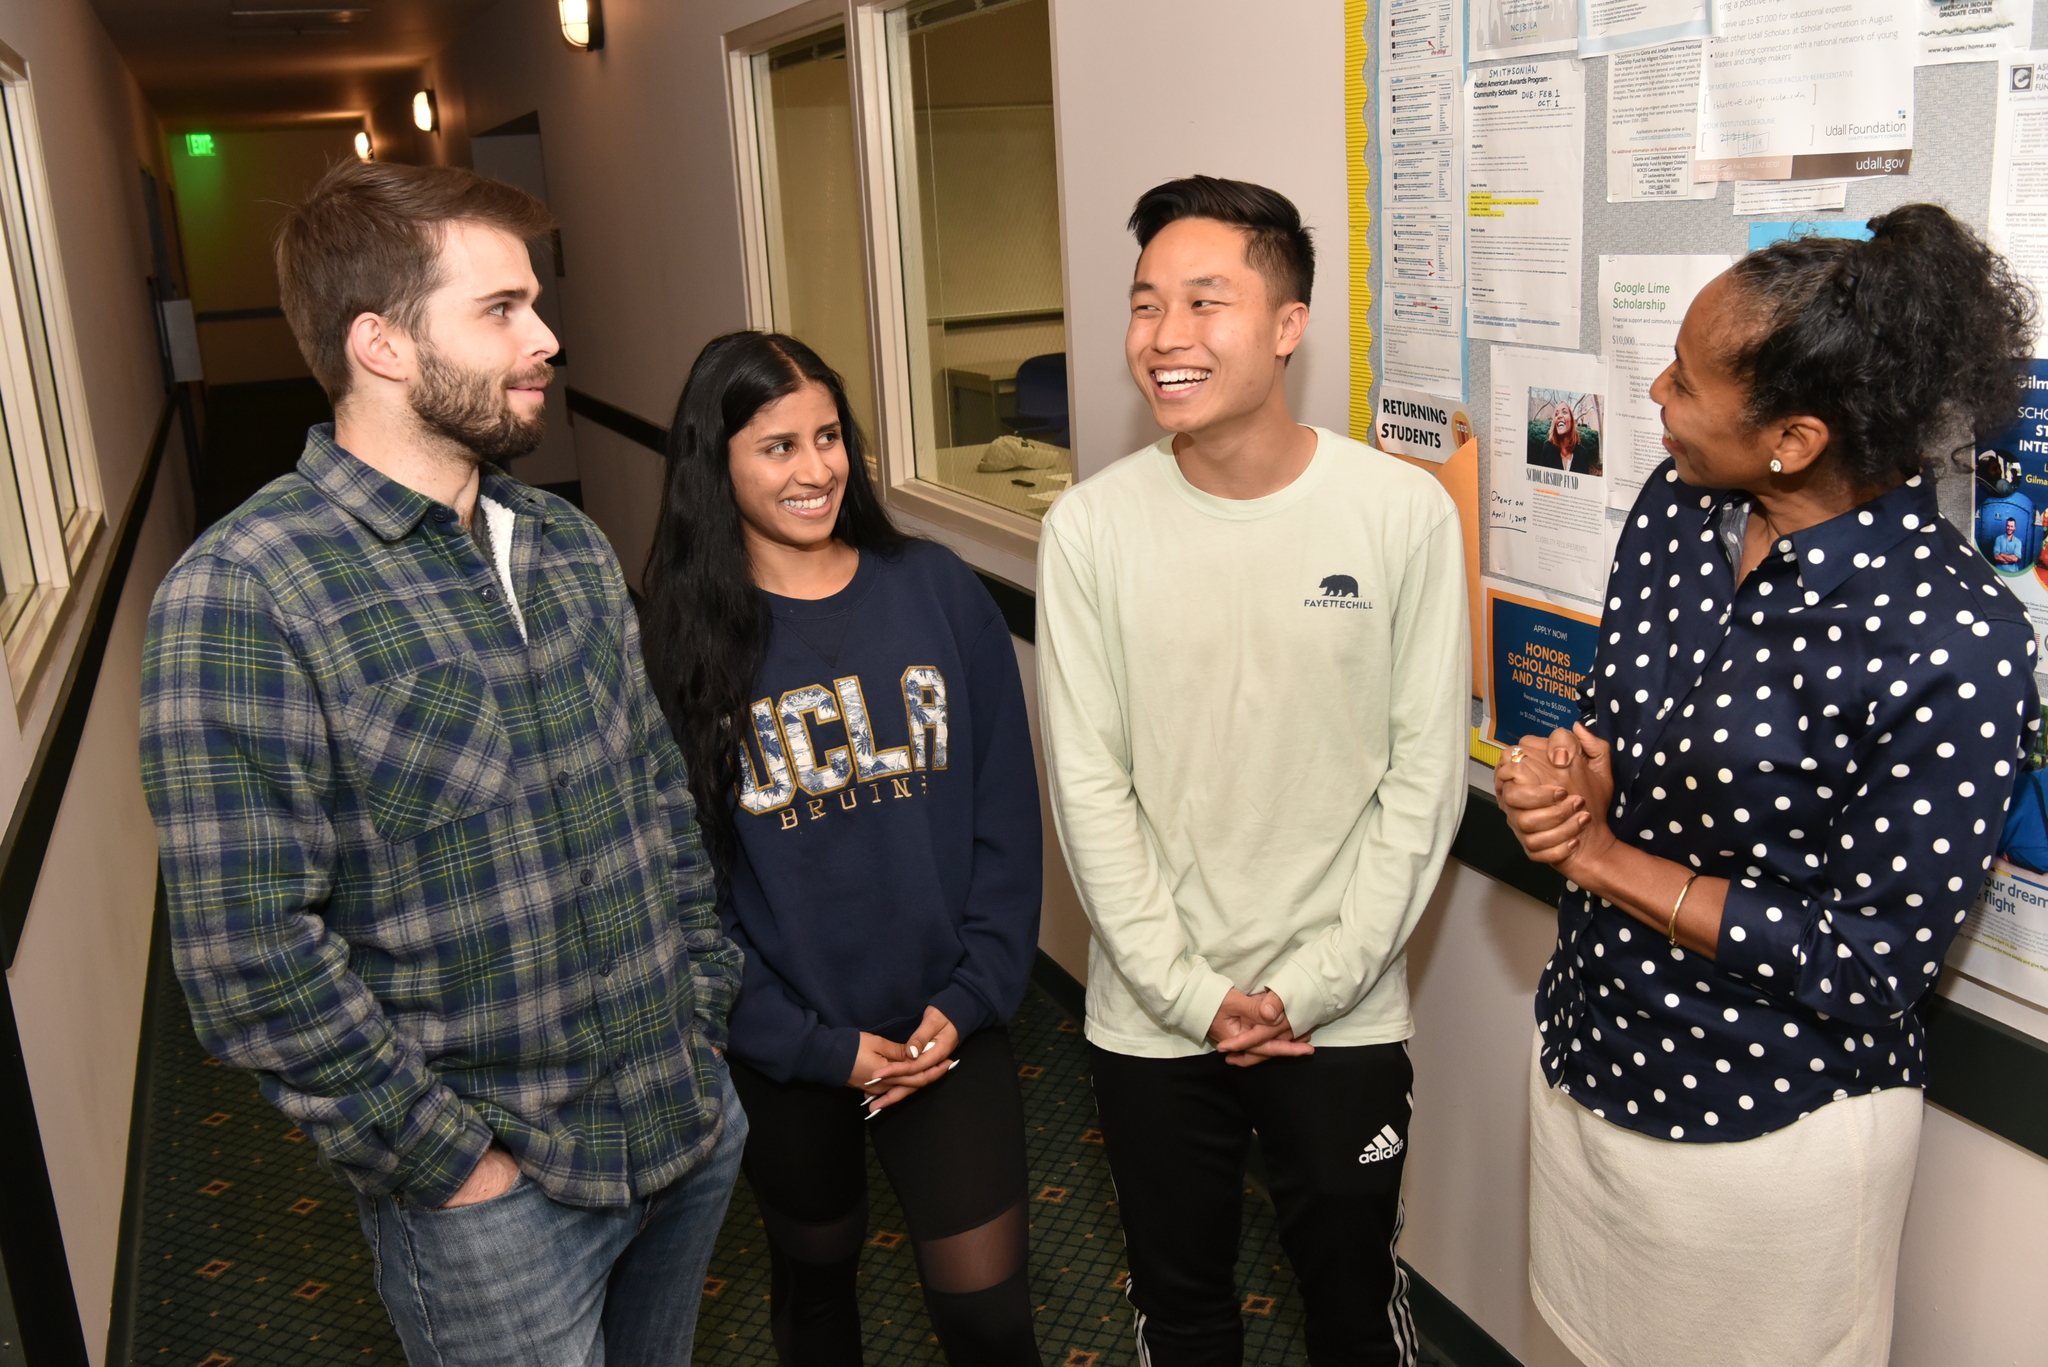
[
  {"x": 1618, "y": 25},
  {"x": 1789, "y": 196},
  {"x": 2010, "y": 509},
  {"x": 1411, "y": 422},
  {"x": 1643, "y": 300},
  {"x": 1807, "y": 90},
  {"x": 2004, "y": 940},
  {"x": 1525, "y": 219},
  {"x": 1653, "y": 123},
  {"x": 1546, "y": 516},
  {"x": 1973, "y": 30},
  {"x": 2019, "y": 167},
  {"x": 1414, "y": 32},
  {"x": 1522, "y": 28},
  {"x": 1422, "y": 221}
]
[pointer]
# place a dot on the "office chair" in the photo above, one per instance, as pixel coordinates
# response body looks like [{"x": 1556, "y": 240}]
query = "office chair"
[{"x": 1042, "y": 398}]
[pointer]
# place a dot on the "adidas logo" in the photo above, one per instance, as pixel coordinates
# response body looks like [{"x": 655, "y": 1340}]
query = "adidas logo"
[{"x": 1386, "y": 1144}]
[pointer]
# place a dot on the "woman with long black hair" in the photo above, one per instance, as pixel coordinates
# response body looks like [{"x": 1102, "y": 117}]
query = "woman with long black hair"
[{"x": 849, "y": 704}]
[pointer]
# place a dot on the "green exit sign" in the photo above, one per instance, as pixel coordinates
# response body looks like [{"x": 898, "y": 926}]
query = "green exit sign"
[{"x": 200, "y": 145}]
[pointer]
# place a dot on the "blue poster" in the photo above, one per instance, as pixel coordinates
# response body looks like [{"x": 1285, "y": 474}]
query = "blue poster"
[
  {"x": 1539, "y": 656},
  {"x": 2012, "y": 494},
  {"x": 1762, "y": 235}
]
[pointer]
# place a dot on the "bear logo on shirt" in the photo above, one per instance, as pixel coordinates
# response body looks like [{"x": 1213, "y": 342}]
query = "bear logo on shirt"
[{"x": 1338, "y": 591}]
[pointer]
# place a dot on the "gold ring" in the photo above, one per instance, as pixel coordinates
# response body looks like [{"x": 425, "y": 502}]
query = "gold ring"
[{"x": 1515, "y": 755}]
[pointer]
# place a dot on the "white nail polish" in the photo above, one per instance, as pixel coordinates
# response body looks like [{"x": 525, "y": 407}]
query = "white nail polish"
[{"x": 951, "y": 1064}]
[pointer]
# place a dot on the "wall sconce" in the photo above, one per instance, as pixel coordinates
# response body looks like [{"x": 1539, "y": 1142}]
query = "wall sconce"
[
  {"x": 426, "y": 114},
  {"x": 362, "y": 147},
  {"x": 582, "y": 23}
]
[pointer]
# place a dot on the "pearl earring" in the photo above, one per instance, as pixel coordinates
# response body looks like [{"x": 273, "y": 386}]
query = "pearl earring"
[{"x": 1777, "y": 467}]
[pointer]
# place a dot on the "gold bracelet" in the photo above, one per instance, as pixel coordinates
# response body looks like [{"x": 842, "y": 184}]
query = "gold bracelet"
[{"x": 1671, "y": 931}]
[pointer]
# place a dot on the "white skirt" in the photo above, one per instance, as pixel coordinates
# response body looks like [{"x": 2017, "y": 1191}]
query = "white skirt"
[{"x": 1779, "y": 1251}]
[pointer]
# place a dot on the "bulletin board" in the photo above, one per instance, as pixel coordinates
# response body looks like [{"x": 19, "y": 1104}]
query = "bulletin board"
[
  {"x": 1525, "y": 639},
  {"x": 1954, "y": 106}
]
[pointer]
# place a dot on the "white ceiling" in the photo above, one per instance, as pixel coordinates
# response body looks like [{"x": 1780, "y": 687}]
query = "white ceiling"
[{"x": 201, "y": 66}]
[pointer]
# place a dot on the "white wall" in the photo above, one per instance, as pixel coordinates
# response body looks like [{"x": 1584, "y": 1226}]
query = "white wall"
[
  {"x": 1976, "y": 1232},
  {"x": 1149, "y": 90},
  {"x": 82, "y": 966},
  {"x": 77, "y": 980}
]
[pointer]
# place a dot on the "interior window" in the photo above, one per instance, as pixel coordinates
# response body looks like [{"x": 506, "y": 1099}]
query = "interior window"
[
  {"x": 810, "y": 187},
  {"x": 978, "y": 204}
]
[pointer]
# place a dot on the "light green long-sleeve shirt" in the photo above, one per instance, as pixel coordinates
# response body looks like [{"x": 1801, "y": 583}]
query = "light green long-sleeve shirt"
[{"x": 1255, "y": 728}]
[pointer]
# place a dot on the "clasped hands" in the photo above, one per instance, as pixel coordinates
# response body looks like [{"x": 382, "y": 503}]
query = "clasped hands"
[
  {"x": 1252, "y": 1027},
  {"x": 1556, "y": 792},
  {"x": 887, "y": 1072}
]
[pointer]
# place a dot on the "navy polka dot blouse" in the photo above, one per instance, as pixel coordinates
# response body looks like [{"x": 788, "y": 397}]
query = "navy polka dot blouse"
[{"x": 1838, "y": 737}]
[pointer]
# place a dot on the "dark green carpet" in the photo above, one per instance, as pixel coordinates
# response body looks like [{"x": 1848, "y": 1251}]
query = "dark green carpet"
[{"x": 249, "y": 1253}]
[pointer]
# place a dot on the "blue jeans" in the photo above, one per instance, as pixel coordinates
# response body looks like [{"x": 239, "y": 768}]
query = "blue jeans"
[{"x": 523, "y": 1281}]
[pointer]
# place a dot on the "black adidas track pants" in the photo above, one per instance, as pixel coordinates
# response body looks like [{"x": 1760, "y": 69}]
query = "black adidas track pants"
[{"x": 1333, "y": 1128}]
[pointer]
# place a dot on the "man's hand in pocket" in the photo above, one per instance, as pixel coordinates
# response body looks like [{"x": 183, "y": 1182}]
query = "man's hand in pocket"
[{"x": 491, "y": 1178}]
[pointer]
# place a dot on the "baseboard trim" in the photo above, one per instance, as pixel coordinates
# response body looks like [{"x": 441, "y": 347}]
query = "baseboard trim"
[
  {"x": 1454, "y": 1334},
  {"x": 128, "y": 1248}
]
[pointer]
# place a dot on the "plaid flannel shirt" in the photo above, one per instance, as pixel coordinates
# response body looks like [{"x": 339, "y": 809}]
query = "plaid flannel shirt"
[{"x": 435, "y": 884}]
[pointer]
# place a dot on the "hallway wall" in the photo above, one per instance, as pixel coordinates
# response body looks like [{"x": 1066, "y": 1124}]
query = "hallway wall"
[
  {"x": 77, "y": 979},
  {"x": 79, "y": 974},
  {"x": 229, "y": 205}
]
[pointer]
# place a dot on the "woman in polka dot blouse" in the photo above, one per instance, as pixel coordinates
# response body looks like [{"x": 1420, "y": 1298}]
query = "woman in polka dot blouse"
[{"x": 1804, "y": 721}]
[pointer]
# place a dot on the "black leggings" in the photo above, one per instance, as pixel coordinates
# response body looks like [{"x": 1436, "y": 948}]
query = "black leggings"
[{"x": 954, "y": 1152}]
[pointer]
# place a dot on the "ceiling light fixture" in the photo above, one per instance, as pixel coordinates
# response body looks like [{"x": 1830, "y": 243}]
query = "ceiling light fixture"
[
  {"x": 426, "y": 114},
  {"x": 363, "y": 146},
  {"x": 582, "y": 23}
]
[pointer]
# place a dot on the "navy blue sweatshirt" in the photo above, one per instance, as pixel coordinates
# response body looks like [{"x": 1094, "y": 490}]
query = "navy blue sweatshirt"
[{"x": 888, "y": 819}]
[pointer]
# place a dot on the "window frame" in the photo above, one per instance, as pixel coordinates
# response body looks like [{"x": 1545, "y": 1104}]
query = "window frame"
[
  {"x": 58, "y": 549},
  {"x": 891, "y": 353}
]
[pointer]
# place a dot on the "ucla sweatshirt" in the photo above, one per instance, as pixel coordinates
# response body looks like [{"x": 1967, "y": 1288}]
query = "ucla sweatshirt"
[{"x": 888, "y": 819}]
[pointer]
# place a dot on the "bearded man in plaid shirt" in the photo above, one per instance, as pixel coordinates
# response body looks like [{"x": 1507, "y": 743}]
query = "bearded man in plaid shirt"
[{"x": 433, "y": 868}]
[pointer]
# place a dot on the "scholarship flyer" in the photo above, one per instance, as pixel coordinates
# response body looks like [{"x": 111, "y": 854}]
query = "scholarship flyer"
[{"x": 1538, "y": 656}]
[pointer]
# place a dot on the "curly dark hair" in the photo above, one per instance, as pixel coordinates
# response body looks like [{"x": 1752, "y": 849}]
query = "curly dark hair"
[{"x": 1892, "y": 342}]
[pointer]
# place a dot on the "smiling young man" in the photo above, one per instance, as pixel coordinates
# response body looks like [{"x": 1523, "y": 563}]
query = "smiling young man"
[
  {"x": 1253, "y": 669},
  {"x": 432, "y": 863}
]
